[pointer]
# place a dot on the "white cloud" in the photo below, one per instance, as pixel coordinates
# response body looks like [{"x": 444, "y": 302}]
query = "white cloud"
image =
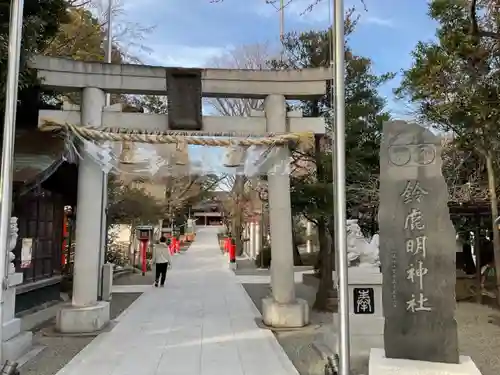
[
  {"x": 378, "y": 21},
  {"x": 183, "y": 56}
]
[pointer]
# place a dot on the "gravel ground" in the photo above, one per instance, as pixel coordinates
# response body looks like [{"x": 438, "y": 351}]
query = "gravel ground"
[
  {"x": 60, "y": 350},
  {"x": 479, "y": 335},
  {"x": 478, "y": 331},
  {"x": 297, "y": 343}
]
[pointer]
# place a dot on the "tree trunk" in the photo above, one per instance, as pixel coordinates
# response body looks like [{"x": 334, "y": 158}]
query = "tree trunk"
[
  {"x": 320, "y": 175},
  {"x": 331, "y": 230},
  {"x": 325, "y": 288},
  {"x": 132, "y": 248},
  {"x": 297, "y": 260},
  {"x": 237, "y": 232},
  {"x": 494, "y": 215},
  {"x": 322, "y": 239},
  {"x": 238, "y": 188},
  {"x": 325, "y": 260}
]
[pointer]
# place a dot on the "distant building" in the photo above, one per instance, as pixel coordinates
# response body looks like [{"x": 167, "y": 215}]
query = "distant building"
[{"x": 210, "y": 211}]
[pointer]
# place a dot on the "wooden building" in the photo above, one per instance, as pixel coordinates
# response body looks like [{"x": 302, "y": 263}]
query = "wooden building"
[{"x": 44, "y": 183}]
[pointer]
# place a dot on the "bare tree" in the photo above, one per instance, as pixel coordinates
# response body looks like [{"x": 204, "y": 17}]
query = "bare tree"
[
  {"x": 307, "y": 6},
  {"x": 253, "y": 56},
  {"x": 128, "y": 37}
]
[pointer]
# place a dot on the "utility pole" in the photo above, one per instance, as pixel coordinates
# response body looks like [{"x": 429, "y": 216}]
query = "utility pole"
[
  {"x": 9, "y": 134},
  {"x": 282, "y": 28},
  {"x": 109, "y": 42},
  {"x": 282, "y": 20},
  {"x": 338, "y": 155},
  {"x": 108, "y": 49}
]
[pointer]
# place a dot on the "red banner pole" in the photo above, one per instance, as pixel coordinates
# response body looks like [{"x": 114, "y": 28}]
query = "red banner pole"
[
  {"x": 144, "y": 245},
  {"x": 232, "y": 253}
]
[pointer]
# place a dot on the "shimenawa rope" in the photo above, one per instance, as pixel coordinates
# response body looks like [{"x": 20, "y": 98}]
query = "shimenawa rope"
[{"x": 121, "y": 135}]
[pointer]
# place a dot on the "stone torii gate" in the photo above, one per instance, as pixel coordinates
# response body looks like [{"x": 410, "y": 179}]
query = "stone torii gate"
[{"x": 95, "y": 79}]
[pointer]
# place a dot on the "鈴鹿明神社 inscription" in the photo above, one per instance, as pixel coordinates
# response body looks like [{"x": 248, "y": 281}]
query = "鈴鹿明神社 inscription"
[{"x": 417, "y": 247}]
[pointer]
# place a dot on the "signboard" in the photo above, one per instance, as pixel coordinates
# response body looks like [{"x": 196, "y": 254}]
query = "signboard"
[
  {"x": 364, "y": 301},
  {"x": 26, "y": 252}
]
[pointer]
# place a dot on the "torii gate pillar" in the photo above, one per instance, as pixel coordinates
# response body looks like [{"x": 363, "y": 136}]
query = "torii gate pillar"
[
  {"x": 87, "y": 314},
  {"x": 282, "y": 309}
]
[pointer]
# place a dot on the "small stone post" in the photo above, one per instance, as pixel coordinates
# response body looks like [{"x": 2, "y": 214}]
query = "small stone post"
[
  {"x": 309, "y": 233},
  {"x": 252, "y": 240}
]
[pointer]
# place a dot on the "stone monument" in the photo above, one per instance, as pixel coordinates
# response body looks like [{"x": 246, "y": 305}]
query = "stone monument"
[
  {"x": 14, "y": 342},
  {"x": 417, "y": 253}
]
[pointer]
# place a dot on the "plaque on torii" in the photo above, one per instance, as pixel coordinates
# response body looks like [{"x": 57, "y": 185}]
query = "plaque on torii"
[{"x": 184, "y": 99}]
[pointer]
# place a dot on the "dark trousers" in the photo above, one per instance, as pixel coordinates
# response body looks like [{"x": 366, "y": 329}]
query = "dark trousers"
[{"x": 161, "y": 271}]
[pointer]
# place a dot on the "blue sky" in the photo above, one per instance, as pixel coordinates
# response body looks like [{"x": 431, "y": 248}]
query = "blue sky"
[{"x": 194, "y": 32}]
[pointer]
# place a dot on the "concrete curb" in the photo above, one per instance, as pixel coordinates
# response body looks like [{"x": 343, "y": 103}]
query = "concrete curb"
[
  {"x": 51, "y": 332},
  {"x": 121, "y": 273}
]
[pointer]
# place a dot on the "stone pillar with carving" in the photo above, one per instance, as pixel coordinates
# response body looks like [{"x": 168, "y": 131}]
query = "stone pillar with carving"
[
  {"x": 14, "y": 230},
  {"x": 366, "y": 316},
  {"x": 14, "y": 342}
]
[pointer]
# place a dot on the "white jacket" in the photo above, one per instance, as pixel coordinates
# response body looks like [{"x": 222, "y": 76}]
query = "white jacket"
[{"x": 161, "y": 253}]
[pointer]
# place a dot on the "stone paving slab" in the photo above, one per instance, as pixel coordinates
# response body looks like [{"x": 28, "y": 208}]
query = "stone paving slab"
[{"x": 201, "y": 323}]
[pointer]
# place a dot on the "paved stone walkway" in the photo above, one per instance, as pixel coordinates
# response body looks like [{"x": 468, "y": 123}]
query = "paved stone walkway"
[{"x": 202, "y": 322}]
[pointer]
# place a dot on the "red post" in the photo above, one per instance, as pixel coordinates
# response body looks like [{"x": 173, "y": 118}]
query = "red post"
[
  {"x": 144, "y": 248},
  {"x": 226, "y": 244},
  {"x": 232, "y": 253}
]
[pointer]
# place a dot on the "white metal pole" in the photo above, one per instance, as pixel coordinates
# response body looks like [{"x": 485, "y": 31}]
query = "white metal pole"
[
  {"x": 108, "y": 49},
  {"x": 109, "y": 43},
  {"x": 9, "y": 132},
  {"x": 339, "y": 186},
  {"x": 282, "y": 20},
  {"x": 282, "y": 28}
]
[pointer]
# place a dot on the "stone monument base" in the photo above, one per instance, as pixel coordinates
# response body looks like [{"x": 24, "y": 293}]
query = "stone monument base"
[
  {"x": 87, "y": 319},
  {"x": 364, "y": 334},
  {"x": 366, "y": 328},
  {"x": 278, "y": 315},
  {"x": 380, "y": 365}
]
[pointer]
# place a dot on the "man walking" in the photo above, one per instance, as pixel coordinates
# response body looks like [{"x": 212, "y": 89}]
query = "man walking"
[{"x": 162, "y": 261}]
